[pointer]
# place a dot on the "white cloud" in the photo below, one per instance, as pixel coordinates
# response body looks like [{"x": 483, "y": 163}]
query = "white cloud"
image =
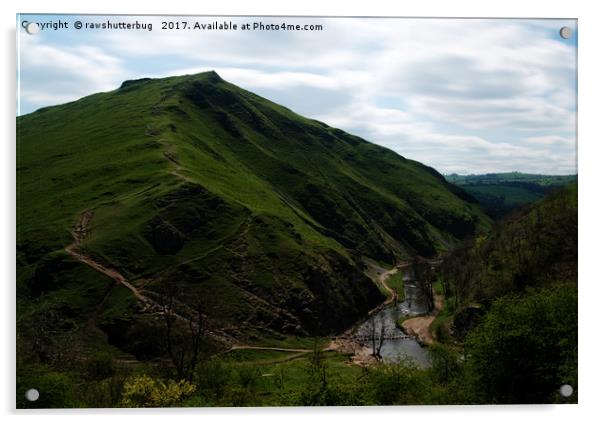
[
  {"x": 51, "y": 74},
  {"x": 481, "y": 95},
  {"x": 551, "y": 140}
]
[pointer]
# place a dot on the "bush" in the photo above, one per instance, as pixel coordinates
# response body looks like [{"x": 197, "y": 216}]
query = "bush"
[
  {"x": 103, "y": 393},
  {"x": 525, "y": 348},
  {"x": 100, "y": 366},
  {"x": 213, "y": 378},
  {"x": 144, "y": 391},
  {"x": 56, "y": 389},
  {"x": 445, "y": 363},
  {"x": 398, "y": 384}
]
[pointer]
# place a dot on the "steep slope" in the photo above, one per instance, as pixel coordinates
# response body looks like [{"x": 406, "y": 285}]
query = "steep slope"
[
  {"x": 534, "y": 247},
  {"x": 197, "y": 185},
  {"x": 520, "y": 338}
]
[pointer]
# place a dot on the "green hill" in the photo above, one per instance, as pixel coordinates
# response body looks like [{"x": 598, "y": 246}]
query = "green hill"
[
  {"x": 501, "y": 193},
  {"x": 536, "y": 246},
  {"x": 197, "y": 186},
  {"x": 513, "y": 293}
]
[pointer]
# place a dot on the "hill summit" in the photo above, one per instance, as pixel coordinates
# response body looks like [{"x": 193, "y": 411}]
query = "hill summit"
[{"x": 193, "y": 183}]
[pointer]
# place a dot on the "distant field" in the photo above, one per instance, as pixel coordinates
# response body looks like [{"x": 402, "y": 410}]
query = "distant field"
[
  {"x": 501, "y": 193},
  {"x": 497, "y": 178}
]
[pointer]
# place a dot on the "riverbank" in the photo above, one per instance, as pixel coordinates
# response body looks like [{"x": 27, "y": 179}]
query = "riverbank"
[
  {"x": 382, "y": 319},
  {"x": 420, "y": 326}
]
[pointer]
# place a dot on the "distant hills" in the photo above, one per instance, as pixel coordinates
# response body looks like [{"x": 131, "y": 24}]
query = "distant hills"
[
  {"x": 193, "y": 183},
  {"x": 501, "y": 193}
]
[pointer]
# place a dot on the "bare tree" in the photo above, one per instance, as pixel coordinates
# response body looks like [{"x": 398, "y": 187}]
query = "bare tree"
[
  {"x": 424, "y": 278},
  {"x": 381, "y": 338},
  {"x": 186, "y": 334},
  {"x": 377, "y": 335}
]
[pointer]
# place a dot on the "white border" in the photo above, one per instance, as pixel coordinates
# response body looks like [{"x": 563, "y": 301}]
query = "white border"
[{"x": 590, "y": 121}]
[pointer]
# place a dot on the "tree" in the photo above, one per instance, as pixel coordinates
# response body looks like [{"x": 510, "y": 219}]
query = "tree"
[
  {"x": 445, "y": 362},
  {"x": 424, "y": 278},
  {"x": 187, "y": 339},
  {"x": 377, "y": 335},
  {"x": 525, "y": 348},
  {"x": 316, "y": 386}
]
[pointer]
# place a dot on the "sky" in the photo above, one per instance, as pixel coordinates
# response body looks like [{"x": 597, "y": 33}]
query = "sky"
[{"x": 460, "y": 95}]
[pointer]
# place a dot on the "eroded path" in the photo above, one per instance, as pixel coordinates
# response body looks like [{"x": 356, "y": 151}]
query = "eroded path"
[
  {"x": 382, "y": 278},
  {"x": 80, "y": 232}
]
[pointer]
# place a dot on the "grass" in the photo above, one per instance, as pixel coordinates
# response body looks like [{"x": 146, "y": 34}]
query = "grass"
[
  {"x": 226, "y": 195},
  {"x": 395, "y": 282},
  {"x": 399, "y": 322},
  {"x": 281, "y": 375},
  {"x": 290, "y": 341},
  {"x": 256, "y": 356},
  {"x": 439, "y": 326},
  {"x": 438, "y": 287}
]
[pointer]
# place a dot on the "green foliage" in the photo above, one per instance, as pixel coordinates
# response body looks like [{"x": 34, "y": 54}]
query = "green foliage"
[
  {"x": 212, "y": 378},
  {"x": 398, "y": 384},
  {"x": 440, "y": 326},
  {"x": 533, "y": 247},
  {"x": 144, "y": 391},
  {"x": 524, "y": 276},
  {"x": 395, "y": 282},
  {"x": 525, "y": 348},
  {"x": 445, "y": 362},
  {"x": 105, "y": 393},
  {"x": 56, "y": 389},
  {"x": 100, "y": 366}
]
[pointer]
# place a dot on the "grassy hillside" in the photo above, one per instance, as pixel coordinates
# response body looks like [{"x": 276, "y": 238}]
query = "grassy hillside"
[
  {"x": 501, "y": 193},
  {"x": 195, "y": 186},
  {"x": 533, "y": 247}
]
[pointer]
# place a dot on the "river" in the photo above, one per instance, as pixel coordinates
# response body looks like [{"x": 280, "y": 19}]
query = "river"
[{"x": 414, "y": 304}]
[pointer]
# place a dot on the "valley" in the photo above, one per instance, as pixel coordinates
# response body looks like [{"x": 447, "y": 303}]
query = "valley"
[{"x": 185, "y": 234}]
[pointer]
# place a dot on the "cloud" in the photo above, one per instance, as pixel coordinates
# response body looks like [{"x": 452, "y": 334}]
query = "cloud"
[
  {"x": 551, "y": 140},
  {"x": 481, "y": 95},
  {"x": 52, "y": 74}
]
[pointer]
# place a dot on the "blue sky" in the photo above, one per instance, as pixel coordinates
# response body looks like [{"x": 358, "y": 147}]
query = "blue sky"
[{"x": 465, "y": 96}]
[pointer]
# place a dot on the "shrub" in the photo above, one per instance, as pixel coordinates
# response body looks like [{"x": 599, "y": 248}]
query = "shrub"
[
  {"x": 100, "y": 366},
  {"x": 213, "y": 378},
  {"x": 56, "y": 389},
  {"x": 525, "y": 348},
  {"x": 144, "y": 391}
]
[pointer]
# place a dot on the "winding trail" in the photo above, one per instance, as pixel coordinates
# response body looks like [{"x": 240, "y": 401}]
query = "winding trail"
[
  {"x": 417, "y": 326},
  {"x": 382, "y": 279},
  {"x": 253, "y": 347},
  {"x": 345, "y": 343},
  {"x": 80, "y": 232}
]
